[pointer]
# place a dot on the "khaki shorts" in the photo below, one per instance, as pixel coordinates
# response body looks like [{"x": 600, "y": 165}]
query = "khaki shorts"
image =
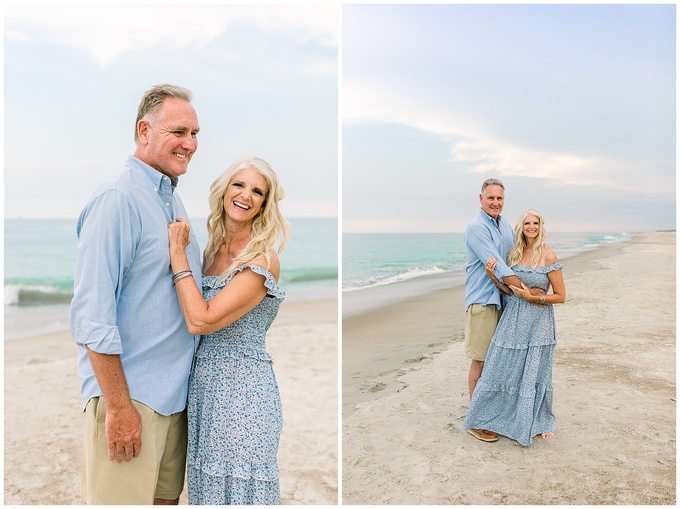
[
  {"x": 158, "y": 471},
  {"x": 480, "y": 325}
]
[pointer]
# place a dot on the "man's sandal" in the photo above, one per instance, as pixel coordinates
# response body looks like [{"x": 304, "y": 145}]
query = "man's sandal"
[{"x": 483, "y": 435}]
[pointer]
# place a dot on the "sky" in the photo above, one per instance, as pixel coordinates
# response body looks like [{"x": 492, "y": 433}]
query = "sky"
[
  {"x": 264, "y": 82},
  {"x": 571, "y": 106}
]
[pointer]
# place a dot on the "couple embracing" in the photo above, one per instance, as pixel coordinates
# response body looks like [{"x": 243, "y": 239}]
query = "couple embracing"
[
  {"x": 509, "y": 322},
  {"x": 172, "y": 350}
]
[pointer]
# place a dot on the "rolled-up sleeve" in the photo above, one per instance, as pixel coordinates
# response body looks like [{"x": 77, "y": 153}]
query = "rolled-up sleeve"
[
  {"x": 480, "y": 242},
  {"x": 502, "y": 270},
  {"x": 106, "y": 244}
]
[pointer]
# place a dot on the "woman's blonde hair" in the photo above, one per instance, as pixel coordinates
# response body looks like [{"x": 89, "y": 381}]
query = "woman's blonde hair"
[
  {"x": 267, "y": 228},
  {"x": 515, "y": 254}
]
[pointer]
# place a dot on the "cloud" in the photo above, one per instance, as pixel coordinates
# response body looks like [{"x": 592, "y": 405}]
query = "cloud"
[
  {"x": 107, "y": 32},
  {"x": 557, "y": 169},
  {"x": 485, "y": 149}
]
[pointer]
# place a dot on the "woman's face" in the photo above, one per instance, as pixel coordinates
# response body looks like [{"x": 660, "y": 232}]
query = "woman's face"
[
  {"x": 531, "y": 227},
  {"x": 245, "y": 195}
]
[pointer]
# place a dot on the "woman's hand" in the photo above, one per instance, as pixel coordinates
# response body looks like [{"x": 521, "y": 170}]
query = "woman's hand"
[
  {"x": 490, "y": 265},
  {"x": 523, "y": 292},
  {"x": 178, "y": 234}
]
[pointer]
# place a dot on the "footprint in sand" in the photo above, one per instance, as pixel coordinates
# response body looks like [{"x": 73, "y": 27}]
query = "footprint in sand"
[
  {"x": 417, "y": 359},
  {"x": 377, "y": 387}
]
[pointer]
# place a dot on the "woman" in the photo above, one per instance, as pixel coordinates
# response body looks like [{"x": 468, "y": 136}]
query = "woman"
[
  {"x": 234, "y": 408},
  {"x": 514, "y": 394}
]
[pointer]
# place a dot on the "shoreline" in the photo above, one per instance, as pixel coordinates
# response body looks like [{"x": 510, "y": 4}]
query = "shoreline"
[
  {"x": 53, "y": 318},
  {"x": 43, "y": 410},
  {"x": 405, "y": 395},
  {"x": 368, "y": 321},
  {"x": 363, "y": 300}
]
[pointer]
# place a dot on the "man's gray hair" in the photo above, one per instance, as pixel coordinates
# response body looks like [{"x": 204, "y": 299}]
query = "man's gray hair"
[
  {"x": 492, "y": 182},
  {"x": 153, "y": 99}
]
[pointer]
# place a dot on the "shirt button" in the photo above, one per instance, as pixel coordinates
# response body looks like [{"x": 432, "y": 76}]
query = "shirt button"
[{"x": 167, "y": 204}]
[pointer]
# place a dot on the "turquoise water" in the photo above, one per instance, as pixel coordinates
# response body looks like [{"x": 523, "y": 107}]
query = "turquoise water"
[
  {"x": 40, "y": 262},
  {"x": 378, "y": 259}
]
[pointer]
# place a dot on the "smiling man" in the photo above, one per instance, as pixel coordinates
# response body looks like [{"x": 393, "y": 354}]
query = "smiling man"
[
  {"x": 486, "y": 236},
  {"x": 135, "y": 349}
]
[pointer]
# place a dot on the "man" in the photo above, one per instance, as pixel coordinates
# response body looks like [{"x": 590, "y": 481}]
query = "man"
[
  {"x": 135, "y": 349},
  {"x": 486, "y": 236}
]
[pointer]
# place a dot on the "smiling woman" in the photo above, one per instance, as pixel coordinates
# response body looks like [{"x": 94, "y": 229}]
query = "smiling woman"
[
  {"x": 234, "y": 408},
  {"x": 245, "y": 195},
  {"x": 245, "y": 178}
]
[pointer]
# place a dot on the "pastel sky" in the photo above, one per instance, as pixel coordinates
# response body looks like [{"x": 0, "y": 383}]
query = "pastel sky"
[
  {"x": 571, "y": 106},
  {"x": 264, "y": 78}
]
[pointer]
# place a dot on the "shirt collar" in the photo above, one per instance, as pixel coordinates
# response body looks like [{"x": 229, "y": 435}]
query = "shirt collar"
[
  {"x": 156, "y": 177},
  {"x": 490, "y": 219}
]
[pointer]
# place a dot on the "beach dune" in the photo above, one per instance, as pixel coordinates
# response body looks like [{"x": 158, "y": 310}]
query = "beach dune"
[
  {"x": 614, "y": 395},
  {"x": 43, "y": 411}
]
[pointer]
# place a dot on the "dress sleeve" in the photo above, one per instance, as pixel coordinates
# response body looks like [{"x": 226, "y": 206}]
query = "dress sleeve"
[
  {"x": 552, "y": 267},
  {"x": 269, "y": 279},
  {"x": 108, "y": 236}
]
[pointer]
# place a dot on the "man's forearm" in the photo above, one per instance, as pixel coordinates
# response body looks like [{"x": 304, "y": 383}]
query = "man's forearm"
[
  {"x": 109, "y": 372},
  {"x": 515, "y": 281},
  {"x": 511, "y": 280}
]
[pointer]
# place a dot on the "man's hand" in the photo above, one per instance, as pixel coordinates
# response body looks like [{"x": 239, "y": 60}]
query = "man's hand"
[
  {"x": 124, "y": 433},
  {"x": 514, "y": 281},
  {"x": 525, "y": 292}
]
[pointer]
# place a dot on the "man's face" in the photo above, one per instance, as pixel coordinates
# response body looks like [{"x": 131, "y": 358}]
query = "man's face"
[
  {"x": 169, "y": 144},
  {"x": 492, "y": 200}
]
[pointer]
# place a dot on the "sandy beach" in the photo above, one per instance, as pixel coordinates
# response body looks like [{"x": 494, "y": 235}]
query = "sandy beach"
[
  {"x": 405, "y": 395},
  {"x": 43, "y": 420}
]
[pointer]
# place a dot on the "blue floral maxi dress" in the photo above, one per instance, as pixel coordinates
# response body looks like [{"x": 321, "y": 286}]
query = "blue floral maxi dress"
[
  {"x": 514, "y": 395},
  {"x": 234, "y": 408}
]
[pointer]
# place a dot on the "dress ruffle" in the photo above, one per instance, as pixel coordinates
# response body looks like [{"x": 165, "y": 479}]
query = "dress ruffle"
[
  {"x": 231, "y": 351},
  {"x": 212, "y": 282},
  {"x": 208, "y": 490},
  {"x": 543, "y": 269}
]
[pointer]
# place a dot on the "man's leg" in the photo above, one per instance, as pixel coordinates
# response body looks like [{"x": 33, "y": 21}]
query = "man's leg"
[
  {"x": 476, "y": 368},
  {"x": 173, "y": 462},
  {"x": 480, "y": 325},
  {"x": 130, "y": 482},
  {"x": 162, "y": 501}
]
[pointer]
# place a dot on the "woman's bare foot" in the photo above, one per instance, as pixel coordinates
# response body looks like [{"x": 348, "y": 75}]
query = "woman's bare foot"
[{"x": 547, "y": 435}]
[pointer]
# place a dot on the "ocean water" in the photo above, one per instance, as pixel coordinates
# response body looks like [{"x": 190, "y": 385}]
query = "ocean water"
[
  {"x": 378, "y": 268},
  {"x": 40, "y": 262}
]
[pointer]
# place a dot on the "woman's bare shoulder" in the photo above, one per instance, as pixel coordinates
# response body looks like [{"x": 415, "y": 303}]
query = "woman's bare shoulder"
[
  {"x": 274, "y": 265},
  {"x": 548, "y": 255}
]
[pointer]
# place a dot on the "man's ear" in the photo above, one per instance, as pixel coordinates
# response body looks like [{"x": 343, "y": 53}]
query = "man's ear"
[{"x": 143, "y": 130}]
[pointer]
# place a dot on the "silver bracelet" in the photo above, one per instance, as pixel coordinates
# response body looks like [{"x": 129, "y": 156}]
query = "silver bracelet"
[
  {"x": 181, "y": 275},
  {"x": 541, "y": 299}
]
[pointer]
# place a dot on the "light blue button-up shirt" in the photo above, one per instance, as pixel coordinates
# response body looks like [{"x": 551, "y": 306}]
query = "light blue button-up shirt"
[
  {"x": 485, "y": 238},
  {"x": 123, "y": 301}
]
